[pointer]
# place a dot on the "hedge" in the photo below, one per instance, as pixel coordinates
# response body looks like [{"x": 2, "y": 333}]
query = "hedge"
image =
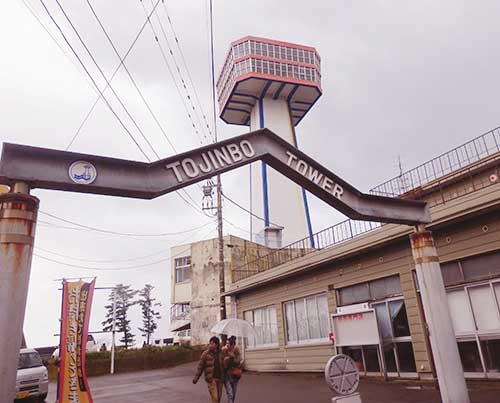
[{"x": 148, "y": 357}]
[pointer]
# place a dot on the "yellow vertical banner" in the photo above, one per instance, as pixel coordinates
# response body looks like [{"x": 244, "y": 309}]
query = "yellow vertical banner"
[{"x": 77, "y": 301}]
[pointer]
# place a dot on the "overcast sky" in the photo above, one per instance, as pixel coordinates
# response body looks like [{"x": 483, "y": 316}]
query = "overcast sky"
[{"x": 408, "y": 79}]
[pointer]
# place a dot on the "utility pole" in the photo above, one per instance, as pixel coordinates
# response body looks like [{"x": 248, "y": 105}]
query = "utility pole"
[
  {"x": 222, "y": 279},
  {"x": 113, "y": 331}
]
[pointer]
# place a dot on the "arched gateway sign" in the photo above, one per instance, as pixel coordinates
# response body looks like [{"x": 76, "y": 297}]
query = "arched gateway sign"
[
  {"x": 62, "y": 170},
  {"x": 24, "y": 167}
]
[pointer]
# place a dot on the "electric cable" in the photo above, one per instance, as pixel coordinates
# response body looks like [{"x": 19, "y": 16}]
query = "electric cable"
[
  {"x": 200, "y": 105},
  {"x": 164, "y": 57},
  {"x": 101, "y": 261},
  {"x": 95, "y": 229},
  {"x": 122, "y": 60},
  {"x": 106, "y": 79},
  {"x": 134, "y": 267},
  {"x": 183, "y": 82},
  {"x": 246, "y": 210},
  {"x": 108, "y": 84},
  {"x": 51, "y": 35},
  {"x": 122, "y": 63},
  {"x": 93, "y": 81}
]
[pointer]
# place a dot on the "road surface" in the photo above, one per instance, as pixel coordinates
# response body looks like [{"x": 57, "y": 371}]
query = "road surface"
[{"x": 174, "y": 385}]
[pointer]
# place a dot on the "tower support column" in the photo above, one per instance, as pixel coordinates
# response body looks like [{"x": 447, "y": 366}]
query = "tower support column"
[
  {"x": 18, "y": 212},
  {"x": 277, "y": 200}
]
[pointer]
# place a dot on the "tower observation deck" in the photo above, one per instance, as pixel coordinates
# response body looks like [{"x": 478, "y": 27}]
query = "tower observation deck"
[{"x": 273, "y": 84}]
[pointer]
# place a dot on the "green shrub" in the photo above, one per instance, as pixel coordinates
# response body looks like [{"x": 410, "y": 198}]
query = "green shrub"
[{"x": 148, "y": 357}]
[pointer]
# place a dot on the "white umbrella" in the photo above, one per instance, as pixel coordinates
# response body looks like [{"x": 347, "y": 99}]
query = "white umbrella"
[{"x": 234, "y": 327}]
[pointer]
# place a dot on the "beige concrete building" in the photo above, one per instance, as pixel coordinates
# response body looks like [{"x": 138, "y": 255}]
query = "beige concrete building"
[
  {"x": 194, "y": 294},
  {"x": 303, "y": 301},
  {"x": 294, "y": 296}
]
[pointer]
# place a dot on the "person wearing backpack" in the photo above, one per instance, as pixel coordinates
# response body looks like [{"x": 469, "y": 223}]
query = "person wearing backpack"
[{"x": 231, "y": 358}]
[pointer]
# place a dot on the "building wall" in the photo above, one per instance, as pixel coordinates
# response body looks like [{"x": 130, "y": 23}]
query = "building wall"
[
  {"x": 204, "y": 285},
  {"x": 477, "y": 234}
]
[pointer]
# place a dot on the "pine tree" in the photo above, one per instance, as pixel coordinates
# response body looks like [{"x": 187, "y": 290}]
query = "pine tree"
[
  {"x": 149, "y": 315},
  {"x": 124, "y": 300}
]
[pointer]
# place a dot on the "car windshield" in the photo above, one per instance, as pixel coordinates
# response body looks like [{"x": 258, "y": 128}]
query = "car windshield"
[{"x": 29, "y": 360}]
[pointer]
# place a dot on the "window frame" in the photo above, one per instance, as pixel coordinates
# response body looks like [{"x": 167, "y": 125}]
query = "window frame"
[
  {"x": 476, "y": 335},
  {"x": 254, "y": 346},
  {"x": 185, "y": 269},
  {"x": 308, "y": 341}
]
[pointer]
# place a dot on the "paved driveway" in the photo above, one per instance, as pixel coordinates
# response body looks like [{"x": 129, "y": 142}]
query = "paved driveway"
[{"x": 174, "y": 385}]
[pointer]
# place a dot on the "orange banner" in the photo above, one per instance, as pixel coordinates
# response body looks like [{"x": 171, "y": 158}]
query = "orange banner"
[{"x": 77, "y": 301}]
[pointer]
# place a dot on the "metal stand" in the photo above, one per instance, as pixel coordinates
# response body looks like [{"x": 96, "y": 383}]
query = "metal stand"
[
  {"x": 449, "y": 369},
  {"x": 342, "y": 376},
  {"x": 18, "y": 212}
]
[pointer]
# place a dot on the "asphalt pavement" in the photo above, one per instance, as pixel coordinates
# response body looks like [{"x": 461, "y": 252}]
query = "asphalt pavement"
[{"x": 174, "y": 385}]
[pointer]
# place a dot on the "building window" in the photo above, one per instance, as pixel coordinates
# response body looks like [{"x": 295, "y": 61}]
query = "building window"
[
  {"x": 307, "y": 319},
  {"x": 475, "y": 315},
  {"x": 180, "y": 311},
  {"x": 370, "y": 291},
  {"x": 473, "y": 268},
  {"x": 266, "y": 325},
  {"x": 182, "y": 269},
  {"x": 395, "y": 333},
  {"x": 396, "y": 351}
]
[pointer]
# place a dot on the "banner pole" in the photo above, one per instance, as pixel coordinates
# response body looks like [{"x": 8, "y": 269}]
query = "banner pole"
[{"x": 60, "y": 340}]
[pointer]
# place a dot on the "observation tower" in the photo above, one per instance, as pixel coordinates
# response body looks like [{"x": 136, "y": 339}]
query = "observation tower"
[{"x": 272, "y": 84}]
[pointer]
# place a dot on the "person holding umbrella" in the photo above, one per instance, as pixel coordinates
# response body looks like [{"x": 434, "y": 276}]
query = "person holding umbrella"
[{"x": 231, "y": 358}]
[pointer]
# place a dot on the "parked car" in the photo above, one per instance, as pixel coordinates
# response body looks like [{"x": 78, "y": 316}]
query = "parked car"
[
  {"x": 91, "y": 347},
  {"x": 182, "y": 337},
  {"x": 32, "y": 376}
]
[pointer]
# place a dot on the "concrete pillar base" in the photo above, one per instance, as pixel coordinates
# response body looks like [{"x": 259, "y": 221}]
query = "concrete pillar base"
[
  {"x": 352, "y": 398},
  {"x": 18, "y": 214},
  {"x": 437, "y": 315}
]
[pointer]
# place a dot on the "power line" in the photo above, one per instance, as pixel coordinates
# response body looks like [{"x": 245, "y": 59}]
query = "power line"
[
  {"x": 93, "y": 81},
  {"x": 109, "y": 85},
  {"x": 122, "y": 233},
  {"x": 134, "y": 267},
  {"x": 164, "y": 56},
  {"x": 100, "y": 261},
  {"x": 186, "y": 68},
  {"x": 183, "y": 82},
  {"x": 122, "y": 63},
  {"x": 111, "y": 79},
  {"x": 245, "y": 209},
  {"x": 51, "y": 35},
  {"x": 106, "y": 79}
]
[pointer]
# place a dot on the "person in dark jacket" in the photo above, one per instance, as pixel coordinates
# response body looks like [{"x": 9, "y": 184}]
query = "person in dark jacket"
[
  {"x": 231, "y": 358},
  {"x": 211, "y": 365}
]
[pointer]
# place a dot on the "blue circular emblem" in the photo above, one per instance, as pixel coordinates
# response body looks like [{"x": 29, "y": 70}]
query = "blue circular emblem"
[{"x": 82, "y": 172}]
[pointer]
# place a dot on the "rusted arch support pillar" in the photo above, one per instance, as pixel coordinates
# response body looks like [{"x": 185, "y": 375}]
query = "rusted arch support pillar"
[
  {"x": 442, "y": 336},
  {"x": 18, "y": 214}
]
